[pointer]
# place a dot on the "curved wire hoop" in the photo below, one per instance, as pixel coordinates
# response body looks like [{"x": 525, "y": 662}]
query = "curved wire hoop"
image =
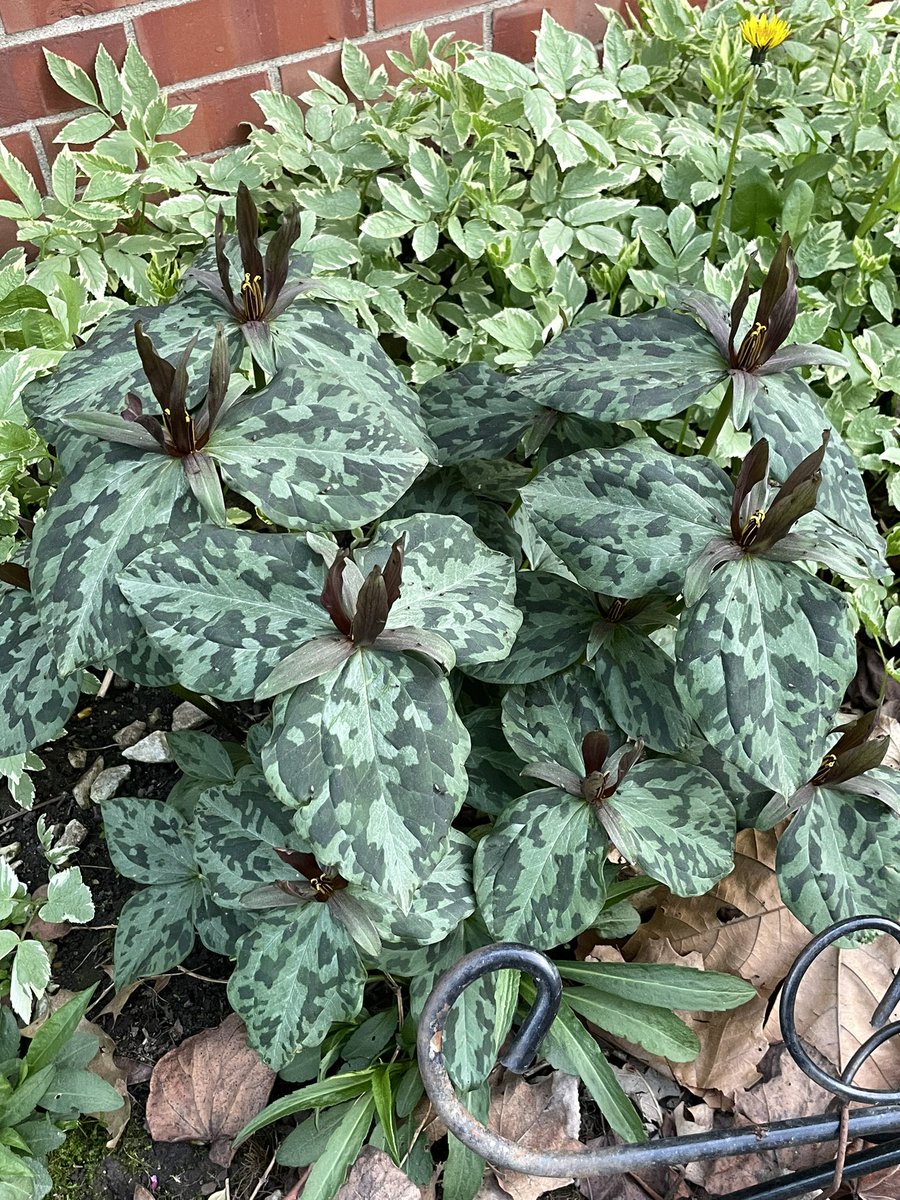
[{"x": 882, "y": 1118}]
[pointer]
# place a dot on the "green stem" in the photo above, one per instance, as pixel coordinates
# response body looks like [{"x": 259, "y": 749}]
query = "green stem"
[
  {"x": 259, "y": 376},
  {"x": 834, "y": 65},
  {"x": 723, "y": 412},
  {"x": 873, "y": 214},
  {"x": 729, "y": 170},
  {"x": 684, "y": 429}
]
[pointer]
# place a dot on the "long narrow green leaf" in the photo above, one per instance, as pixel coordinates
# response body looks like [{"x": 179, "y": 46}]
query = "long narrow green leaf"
[
  {"x": 316, "y": 1095},
  {"x": 464, "y": 1169},
  {"x": 383, "y": 1097},
  {"x": 656, "y": 1029},
  {"x": 662, "y": 985},
  {"x": 341, "y": 1150},
  {"x": 56, "y": 1031}
]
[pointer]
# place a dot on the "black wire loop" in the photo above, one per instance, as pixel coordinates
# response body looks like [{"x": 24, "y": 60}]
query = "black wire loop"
[{"x": 874, "y": 1123}]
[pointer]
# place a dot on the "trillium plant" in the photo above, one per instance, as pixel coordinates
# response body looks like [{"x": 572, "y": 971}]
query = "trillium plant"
[{"x": 412, "y": 607}]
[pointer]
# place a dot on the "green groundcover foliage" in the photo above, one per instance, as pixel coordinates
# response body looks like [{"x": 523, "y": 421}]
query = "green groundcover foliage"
[{"x": 523, "y": 542}]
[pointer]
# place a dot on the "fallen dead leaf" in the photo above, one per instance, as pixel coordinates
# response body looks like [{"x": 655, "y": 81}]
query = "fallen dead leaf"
[
  {"x": 142, "y": 1193},
  {"x": 208, "y": 1088},
  {"x": 835, "y": 1004},
  {"x": 375, "y": 1177},
  {"x": 884, "y": 1185},
  {"x": 544, "y": 1115},
  {"x": 47, "y": 931},
  {"x": 788, "y": 1093},
  {"x": 622, "y": 1187},
  {"x": 890, "y": 726}
]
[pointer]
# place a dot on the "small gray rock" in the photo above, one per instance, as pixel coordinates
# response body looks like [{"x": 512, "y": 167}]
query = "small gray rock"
[
  {"x": 108, "y": 782},
  {"x": 131, "y": 734},
  {"x": 188, "y": 716},
  {"x": 152, "y": 749},
  {"x": 82, "y": 789},
  {"x": 77, "y": 759}
]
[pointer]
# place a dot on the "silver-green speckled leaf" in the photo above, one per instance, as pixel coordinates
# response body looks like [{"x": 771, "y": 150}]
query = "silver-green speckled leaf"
[
  {"x": 452, "y": 585},
  {"x": 539, "y": 873},
  {"x": 297, "y": 972},
  {"x": 546, "y": 721},
  {"x": 37, "y": 699},
  {"x": 764, "y": 660},
  {"x": 239, "y": 826},
  {"x": 839, "y": 857},
  {"x": 226, "y": 606},
  {"x": 315, "y": 450},
  {"x": 637, "y": 368},
  {"x": 558, "y": 616},
  {"x": 493, "y": 769},
  {"x": 95, "y": 524},
  {"x": 373, "y": 757},
  {"x": 627, "y": 522},
  {"x": 674, "y": 822},
  {"x": 637, "y": 679},
  {"x": 475, "y": 412},
  {"x": 148, "y": 841},
  {"x": 786, "y": 411},
  {"x": 747, "y": 795},
  {"x": 443, "y": 900},
  {"x": 220, "y": 929},
  {"x": 155, "y": 930},
  {"x": 141, "y": 663}
]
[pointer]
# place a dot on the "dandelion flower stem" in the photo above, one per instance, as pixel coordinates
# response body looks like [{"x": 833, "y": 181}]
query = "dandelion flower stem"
[{"x": 729, "y": 170}]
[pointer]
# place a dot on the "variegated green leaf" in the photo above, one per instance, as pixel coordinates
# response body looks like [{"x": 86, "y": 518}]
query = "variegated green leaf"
[
  {"x": 148, "y": 841},
  {"x": 372, "y": 755},
  {"x": 747, "y": 795},
  {"x": 674, "y": 822},
  {"x": 839, "y": 857},
  {"x": 316, "y": 450},
  {"x": 637, "y": 368},
  {"x": 492, "y": 768},
  {"x": 452, "y": 585},
  {"x": 95, "y": 524},
  {"x": 475, "y": 412},
  {"x": 37, "y": 699},
  {"x": 539, "y": 873},
  {"x": 220, "y": 929},
  {"x": 637, "y": 679},
  {"x": 141, "y": 663},
  {"x": 764, "y": 660},
  {"x": 155, "y": 930},
  {"x": 558, "y": 616},
  {"x": 297, "y": 972},
  {"x": 444, "y": 899},
  {"x": 786, "y": 411},
  {"x": 225, "y": 606},
  {"x": 627, "y": 522},
  {"x": 546, "y": 721}
]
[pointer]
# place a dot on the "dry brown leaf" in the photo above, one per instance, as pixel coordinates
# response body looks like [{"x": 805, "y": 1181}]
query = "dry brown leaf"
[
  {"x": 142, "y": 1193},
  {"x": 731, "y": 1043},
  {"x": 374, "y": 1177},
  {"x": 789, "y": 1093},
  {"x": 835, "y": 1005},
  {"x": 621, "y": 1187},
  {"x": 884, "y": 1185},
  {"x": 208, "y": 1088},
  {"x": 741, "y": 927},
  {"x": 544, "y": 1115},
  {"x": 890, "y": 726}
]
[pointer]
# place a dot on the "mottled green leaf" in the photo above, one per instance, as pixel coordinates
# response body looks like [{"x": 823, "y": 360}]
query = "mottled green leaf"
[
  {"x": 839, "y": 857},
  {"x": 764, "y": 659},
  {"x": 492, "y": 768},
  {"x": 558, "y": 617},
  {"x": 475, "y": 412},
  {"x": 148, "y": 841},
  {"x": 37, "y": 700},
  {"x": 546, "y": 721},
  {"x": 373, "y": 756},
  {"x": 539, "y": 873},
  {"x": 637, "y": 679},
  {"x": 629, "y": 521},
  {"x": 155, "y": 931},
  {"x": 96, "y": 523},
  {"x": 452, "y": 585},
  {"x": 637, "y": 368},
  {"x": 225, "y": 606},
  {"x": 444, "y": 899},
  {"x": 298, "y": 971}
]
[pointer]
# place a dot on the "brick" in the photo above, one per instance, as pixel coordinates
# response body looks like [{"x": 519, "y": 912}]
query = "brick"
[
  {"x": 295, "y": 76},
  {"x": 514, "y": 28},
  {"x": 29, "y": 91},
  {"x": 19, "y": 15},
  {"x": 21, "y": 145},
  {"x": 203, "y": 37},
  {"x": 221, "y": 107},
  {"x": 405, "y": 12}
]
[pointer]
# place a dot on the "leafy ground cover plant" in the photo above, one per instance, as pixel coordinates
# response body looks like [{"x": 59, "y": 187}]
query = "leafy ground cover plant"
[{"x": 644, "y": 632}]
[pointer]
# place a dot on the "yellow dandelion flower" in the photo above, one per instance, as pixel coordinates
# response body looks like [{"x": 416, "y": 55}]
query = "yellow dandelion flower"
[{"x": 764, "y": 33}]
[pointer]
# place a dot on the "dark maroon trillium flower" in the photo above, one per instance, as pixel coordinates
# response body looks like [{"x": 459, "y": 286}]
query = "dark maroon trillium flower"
[
  {"x": 263, "y": 293},
  {"x": 766, "y": 529},
  {"x": 759, "y": 352},
  {"x": 178, "y": 431},
  {"x": 849, "y": 759},
  {"x": 603, "y": 772}
]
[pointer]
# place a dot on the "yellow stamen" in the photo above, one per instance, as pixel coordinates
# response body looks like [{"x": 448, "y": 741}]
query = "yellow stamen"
[
  {"x": 253, "y": 296},
  {"x": 764, "y": 32},
  {"x": 755, "y": 521}
]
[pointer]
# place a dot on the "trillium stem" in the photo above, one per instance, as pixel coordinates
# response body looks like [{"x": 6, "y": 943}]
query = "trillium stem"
[
  {"x": 729, "y": 169},
  {"x": 723, "y": 412}
]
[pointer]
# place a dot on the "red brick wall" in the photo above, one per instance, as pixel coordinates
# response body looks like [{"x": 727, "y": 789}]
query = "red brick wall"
[{"x": 215, "y": 53}]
